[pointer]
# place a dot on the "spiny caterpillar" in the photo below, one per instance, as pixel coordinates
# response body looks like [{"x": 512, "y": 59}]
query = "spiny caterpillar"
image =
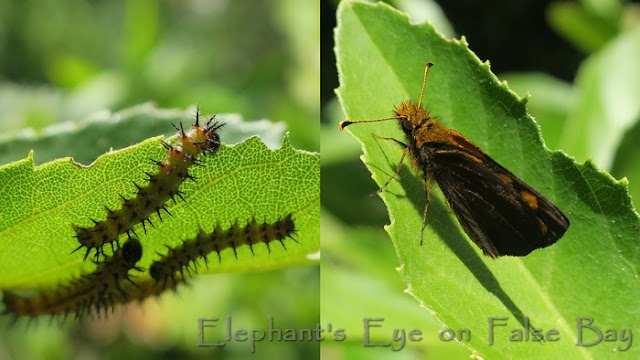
[
  {"x": 96, "y": 291},
  {"x": 179, "y": 259},
  {"x": 161, "y": 187},
  {"x": 147, "y": 288}
]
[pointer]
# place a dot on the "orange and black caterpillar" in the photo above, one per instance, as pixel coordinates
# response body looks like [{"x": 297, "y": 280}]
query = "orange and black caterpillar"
[
  {"x": 180, "y": 258},
  {"x": 94, "y": 292},
  {"x": 164, "y": 272},
  {"x": 161, "y": 187}
]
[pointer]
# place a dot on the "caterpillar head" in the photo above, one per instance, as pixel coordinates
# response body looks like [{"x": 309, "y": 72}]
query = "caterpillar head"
[{"x": 132, "y": 251}]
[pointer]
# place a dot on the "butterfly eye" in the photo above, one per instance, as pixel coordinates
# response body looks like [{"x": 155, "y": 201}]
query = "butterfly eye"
[{"x": 406, "y": 125}]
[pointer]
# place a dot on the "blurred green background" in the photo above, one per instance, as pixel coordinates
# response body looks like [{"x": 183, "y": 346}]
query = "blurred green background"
[
  {"x": 60, "y": 61},
  {"x": 67, "y": 61},
  {"x": 578, "y": 62}
]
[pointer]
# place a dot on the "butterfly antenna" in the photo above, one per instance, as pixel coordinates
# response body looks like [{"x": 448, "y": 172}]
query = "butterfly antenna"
[{"x": 424, "y": 82}]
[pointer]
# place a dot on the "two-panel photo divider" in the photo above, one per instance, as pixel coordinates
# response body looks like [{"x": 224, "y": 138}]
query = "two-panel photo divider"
[{"x": 322, "y": 179}]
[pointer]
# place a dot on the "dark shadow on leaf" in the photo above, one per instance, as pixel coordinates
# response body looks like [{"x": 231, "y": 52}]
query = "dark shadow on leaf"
[{"x": 444, "y": 225}]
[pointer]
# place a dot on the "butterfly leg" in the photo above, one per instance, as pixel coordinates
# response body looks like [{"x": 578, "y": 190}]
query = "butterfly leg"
[
  {"x": 426, "y": 206},
  {"x": 404, "y": 154}
]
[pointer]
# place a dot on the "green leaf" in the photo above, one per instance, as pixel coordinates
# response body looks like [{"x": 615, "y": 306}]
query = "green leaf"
[
  {"x": 102, "y": 131},
  {"x": 381, "y": 57},
  {"x": 608, "y": 89},
  {"x": 625, "y": 163},
  {"x": 237, "y": 183},
  {"x": 359, "y": 264},
  {"x": 550, "y": 105},
  {"x": 585, "y": 29},
  {"x": 605, "y": 9}
]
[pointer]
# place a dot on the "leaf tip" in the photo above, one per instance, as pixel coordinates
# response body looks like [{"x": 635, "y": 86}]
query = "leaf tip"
[
  {"x": 286, "y": 140},
  {"x": 463, "y": 41}
]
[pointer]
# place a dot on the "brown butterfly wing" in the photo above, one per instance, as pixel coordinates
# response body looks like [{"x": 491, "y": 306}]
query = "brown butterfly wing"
[{"x": 500, "y": 213}]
